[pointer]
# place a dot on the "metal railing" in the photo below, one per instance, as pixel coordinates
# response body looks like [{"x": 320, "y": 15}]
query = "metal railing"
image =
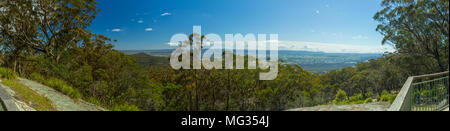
[{"x": 423, "y": 93}]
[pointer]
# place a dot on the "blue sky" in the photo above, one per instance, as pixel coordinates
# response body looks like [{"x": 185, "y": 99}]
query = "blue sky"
[{"x": 313, "y": 25}]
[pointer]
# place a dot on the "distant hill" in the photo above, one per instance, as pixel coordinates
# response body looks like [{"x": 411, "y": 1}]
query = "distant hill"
[{"x": 149, "y": 60}]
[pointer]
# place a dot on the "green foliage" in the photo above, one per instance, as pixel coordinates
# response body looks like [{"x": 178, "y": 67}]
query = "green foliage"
[
  {"x": 368, "y": 100},
  {"x": 8, "y": 73},
  {"x": 341, "y": 96},
  {"x": 37, "y": 77},
  {"x": 388, "y": 97},
  {"x": 357, "y": 97},
  {"x": 57, "y": 84},
  {"x": 417, "y": 28},
  {"x": 81, "y": 64},
  {"x": 62, "y": 86}
]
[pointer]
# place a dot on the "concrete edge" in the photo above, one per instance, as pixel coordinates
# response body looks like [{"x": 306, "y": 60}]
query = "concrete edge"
[{"x": 6, "y": 100}]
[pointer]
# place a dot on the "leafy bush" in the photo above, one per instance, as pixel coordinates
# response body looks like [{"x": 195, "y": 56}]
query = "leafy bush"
[
  {"x": 386, "y": 96},
  {"x": 341, "y": 96},
  {"x": 368, "y": 100},
  {"x": 7, "y": 73},
  {"x": 357, "y": 97}
]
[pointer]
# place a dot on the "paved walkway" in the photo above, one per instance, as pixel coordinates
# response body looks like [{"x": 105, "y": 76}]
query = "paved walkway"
[{"x": 59, "y": 100}]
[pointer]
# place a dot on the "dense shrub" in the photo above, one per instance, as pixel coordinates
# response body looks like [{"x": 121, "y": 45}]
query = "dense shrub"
[
  {"x": 368, "y": 100},
  {"x": 357, "y": 97},
  {"x": 386, "y": 96},
  {"x": 341, "y": 96}
]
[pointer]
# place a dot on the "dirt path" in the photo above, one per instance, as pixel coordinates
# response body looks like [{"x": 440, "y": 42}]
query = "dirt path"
[{"x": 59, "y": 100}]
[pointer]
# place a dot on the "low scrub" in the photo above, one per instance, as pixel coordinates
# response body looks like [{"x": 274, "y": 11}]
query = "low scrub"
[
  {"x": 57, "y": 84},
  {"x": 7, "y": 73},
  {"x": 63, "y": 87},
  {"x": 388, "y": 97},
  {"x": 37, "y": 77}
]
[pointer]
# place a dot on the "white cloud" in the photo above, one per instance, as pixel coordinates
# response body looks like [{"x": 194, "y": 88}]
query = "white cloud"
[
  {"x": 140, "y": 21},
  {"x": 116, "y": 30},
  {"x": 173, "y": 44},
  {"x": 166, "y": 14},
  {"x": 317, "y": 11},
  {"x": 360, "y": 37},
  {"x": 148, "y": 29}
]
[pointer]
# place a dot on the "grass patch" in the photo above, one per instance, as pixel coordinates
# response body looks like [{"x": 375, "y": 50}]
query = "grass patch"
[
  {"x": 35, "y": 100},
  {"x": 7, "y": 73},
  {"x": 37, "y": 77},
  {"x": 57, "y": 84}
]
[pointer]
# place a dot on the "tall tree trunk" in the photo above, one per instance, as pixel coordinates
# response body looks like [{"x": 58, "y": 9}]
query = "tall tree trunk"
[
  {"x": 439, "y": 61},
  {"x": 15, "y": 65}
]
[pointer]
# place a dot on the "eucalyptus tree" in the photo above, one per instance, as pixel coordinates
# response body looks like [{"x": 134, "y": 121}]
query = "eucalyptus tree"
[
  {"x": 417, "y": 27},
  {"x": 49, "y": 27}
]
